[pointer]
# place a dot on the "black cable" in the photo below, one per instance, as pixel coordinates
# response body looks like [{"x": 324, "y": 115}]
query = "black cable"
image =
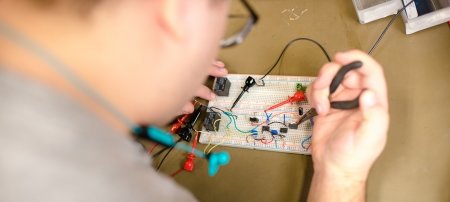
[
  {"x": 167, "y": 154},
  {"x": 375, "y": 45},
  {"x": 160, "y": 152},
  {"x": 287, "y": 46},
  {"x": 164, "y": 149},
  {"x": 164, "y": 158}
]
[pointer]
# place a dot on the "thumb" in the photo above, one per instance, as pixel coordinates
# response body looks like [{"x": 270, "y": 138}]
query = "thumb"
[{"x": 374, "y": 126}]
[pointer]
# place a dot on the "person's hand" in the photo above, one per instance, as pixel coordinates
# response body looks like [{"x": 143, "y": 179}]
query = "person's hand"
[
  {"x": 345, "y": 143},
  {"x": 217, "y": 69}
]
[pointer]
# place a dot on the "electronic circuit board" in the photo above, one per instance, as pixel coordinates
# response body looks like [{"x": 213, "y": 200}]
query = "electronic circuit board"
[{"x": 244, "y": 133}]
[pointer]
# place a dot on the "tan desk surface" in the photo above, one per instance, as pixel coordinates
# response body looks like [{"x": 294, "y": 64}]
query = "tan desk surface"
[{"x": 415, "y": 165}]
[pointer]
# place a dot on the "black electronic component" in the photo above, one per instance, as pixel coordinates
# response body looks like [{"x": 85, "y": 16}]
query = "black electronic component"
[
  {"x": 185, "y": 134},
  {"x": 283, "y": 130},
  {"x": 265, "y": 128},
  {"x": 187, "y": 130},
  {"x": 300, "y": 111},
  {"x": 254, "y": 120},
  {"x": 222, "y": 86},
  {"x": 210, "y": 119},
  {"x": 293, "y": 126}
]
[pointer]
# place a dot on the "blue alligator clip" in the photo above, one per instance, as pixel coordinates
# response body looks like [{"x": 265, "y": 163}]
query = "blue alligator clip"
[{"x": 215, "y": 159}]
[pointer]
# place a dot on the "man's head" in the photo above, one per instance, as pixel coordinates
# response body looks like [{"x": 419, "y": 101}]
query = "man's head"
[{"x": 133, "y": 52}]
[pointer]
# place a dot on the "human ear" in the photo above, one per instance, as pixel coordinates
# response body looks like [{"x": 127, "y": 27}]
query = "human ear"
[{"x": 176, "y": 17}]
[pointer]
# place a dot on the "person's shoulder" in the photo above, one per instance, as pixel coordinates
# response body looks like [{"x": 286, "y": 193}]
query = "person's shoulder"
[{"x": 54, "y": 149}]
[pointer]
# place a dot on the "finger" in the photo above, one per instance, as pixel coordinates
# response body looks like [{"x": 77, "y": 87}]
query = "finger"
[
  {"x": 345, "y": 95},
  {"x": 372, "y": 73},
  {"x": 350, "y": 87},
  {"x": 320, "y": 90},
  {"x": 188, "y": 108},
  {"x": 374, "y": 126},
  {"x": 218, "y": 69},
  {"x": 308, "y": 96},
  {"x": 205, "y": 93},
  {"x": 219, "y": 63},
  {"x": 352, "y": 80},
  {"x": 326, "y": 75},
  {"x": 310, "y": 99}
]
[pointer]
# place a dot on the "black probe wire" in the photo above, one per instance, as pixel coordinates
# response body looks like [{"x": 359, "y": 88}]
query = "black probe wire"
[
  {"x": 164, "y": 149},
  {"x": 375, "y": 45},
  {"x": 160, "y": 152},
  {"x": 284, "y": 50},
  {"x": 167, "y": 154},
  {"x": 164, "y": 158}
]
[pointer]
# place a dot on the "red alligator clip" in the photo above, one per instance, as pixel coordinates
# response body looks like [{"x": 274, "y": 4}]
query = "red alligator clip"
[
  {"x": 298, "y": 96},
  {"x": 176, "y": 126},
  {"x": 189, "y": 163}
]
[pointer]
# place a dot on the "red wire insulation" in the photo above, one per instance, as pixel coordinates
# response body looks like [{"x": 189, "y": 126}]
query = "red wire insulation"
[
  {"x": 177, "y": 172},
  {"x": 194, "y": 144},
  {"x": 153, "y": 148}
]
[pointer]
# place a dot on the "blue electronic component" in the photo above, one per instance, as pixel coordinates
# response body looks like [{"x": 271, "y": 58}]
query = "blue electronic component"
[{"x": 274, "y": 132}]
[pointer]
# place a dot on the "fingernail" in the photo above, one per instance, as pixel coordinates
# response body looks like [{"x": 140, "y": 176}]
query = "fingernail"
[
  {"x": 222, "y": 69},
  {"x": 213, "y": 96},
  {"x": 219, "y": 64},
  {"x": 369, "y": 99}
]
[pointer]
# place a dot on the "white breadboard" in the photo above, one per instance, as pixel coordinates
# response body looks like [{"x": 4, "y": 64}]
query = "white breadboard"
[{"x": 252, "y": 104}]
